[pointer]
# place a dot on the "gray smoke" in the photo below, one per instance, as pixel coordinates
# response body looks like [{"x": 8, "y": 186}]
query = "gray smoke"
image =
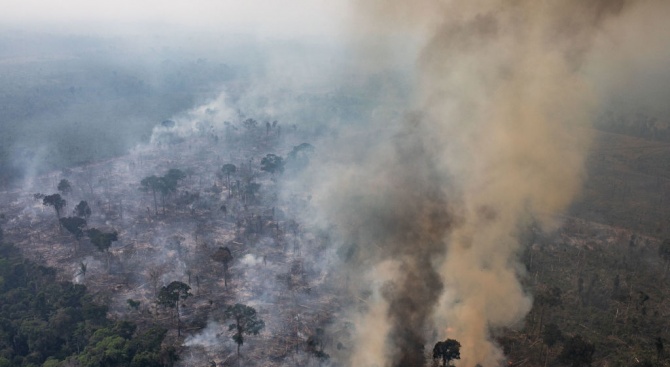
[{"x": 428, "y": 205}]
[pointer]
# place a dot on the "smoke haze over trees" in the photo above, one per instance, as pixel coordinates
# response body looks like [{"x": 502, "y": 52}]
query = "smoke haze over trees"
[{"x": 349, "y": 182}]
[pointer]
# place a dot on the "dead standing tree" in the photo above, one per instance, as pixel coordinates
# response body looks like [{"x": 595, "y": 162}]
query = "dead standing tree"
[
  {"x": 227, "y": 170},
  {"x": 155, "y": 273}
]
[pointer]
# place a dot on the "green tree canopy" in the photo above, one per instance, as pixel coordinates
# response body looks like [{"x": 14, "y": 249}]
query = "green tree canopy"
[
  {"x": 45, "y": 322},
  {"x": 102, "y": 240},
  {"x": 246, "y": 320},
  {"x": 170, "y": 295}
]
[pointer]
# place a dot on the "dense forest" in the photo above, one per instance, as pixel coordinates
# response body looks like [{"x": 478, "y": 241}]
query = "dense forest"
[{"x": 46, "y": 321}]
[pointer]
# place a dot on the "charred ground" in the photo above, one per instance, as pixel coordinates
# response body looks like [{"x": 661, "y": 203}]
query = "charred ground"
[{"x": 603, "y": 281}]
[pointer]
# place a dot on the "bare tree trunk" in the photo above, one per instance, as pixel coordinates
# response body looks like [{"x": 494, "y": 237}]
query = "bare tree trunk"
[
  {"x": 178, "y": 321},
  {"x": 225, "y": 275},
  {"x": 155, "y": 203},
  {"x": 539, "y": 329},
  {"x": 546, "y": 357}
]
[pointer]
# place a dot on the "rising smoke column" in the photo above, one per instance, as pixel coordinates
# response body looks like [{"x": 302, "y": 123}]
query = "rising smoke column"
[{"x": 500, "y": 132}]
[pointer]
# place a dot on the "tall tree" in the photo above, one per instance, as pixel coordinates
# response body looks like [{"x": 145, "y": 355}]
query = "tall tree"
[
  {"x": 102, "y": 240},
  {"x": 82, "y": 209},
  {"x": 447, "y": 351},
  {"x": 272, "y": 163},
  {"x": 151, "y": 183},
  {"x": 246, "y": 320},
  {"x": 57, "y": 202},
  {"x": 170, "y": 295},
  {"x": 173, "y": 176},
  {"x": 64, "y": 186},
  {"x": 227, "y": 170},
  {"x": 74, "y": 225},
  {"x": 224, "y": 256},
  {"x": 167, "y": 184}
]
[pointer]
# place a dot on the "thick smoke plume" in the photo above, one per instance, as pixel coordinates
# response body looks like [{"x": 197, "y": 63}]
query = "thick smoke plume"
[{"x": 499, "y": 133}]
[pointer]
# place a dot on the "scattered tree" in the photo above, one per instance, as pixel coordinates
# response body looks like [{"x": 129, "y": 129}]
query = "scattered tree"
[
  {"x": 153, "y": 184},
  {"x": 82, "y": 209},
  {"x": 170, "y": 295},
  {"x": 250, "y": 192},
  {"x": 56, "y": 201},
  {"x": 272, "y": 163},
  {"x": 227, "y": 170},
  {"x": 447, "y": 351},
  {"x": 102, "y": 240},
  {"x": 299, "y": 156},
  {"x": 135, "y": 305},
  {"x": 246, "y": 323},
  {"x": 64, "y": 186},
  {"x": 224, "y": 256},
  {"x": 74, "y": 225},
  {"x": 83, "y": 267},
  {"x": 173, "y": 176},
  {"x": 165, "y": 185}
]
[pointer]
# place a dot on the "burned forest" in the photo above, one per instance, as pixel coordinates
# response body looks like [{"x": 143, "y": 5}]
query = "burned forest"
[{"x": 335, "y": 184}]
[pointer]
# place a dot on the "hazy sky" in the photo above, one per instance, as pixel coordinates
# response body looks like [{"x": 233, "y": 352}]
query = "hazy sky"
[{"x": 264, "y": 17}]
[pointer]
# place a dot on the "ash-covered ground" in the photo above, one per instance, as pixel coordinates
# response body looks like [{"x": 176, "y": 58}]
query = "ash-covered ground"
[{"x": 279, "y": 266}]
